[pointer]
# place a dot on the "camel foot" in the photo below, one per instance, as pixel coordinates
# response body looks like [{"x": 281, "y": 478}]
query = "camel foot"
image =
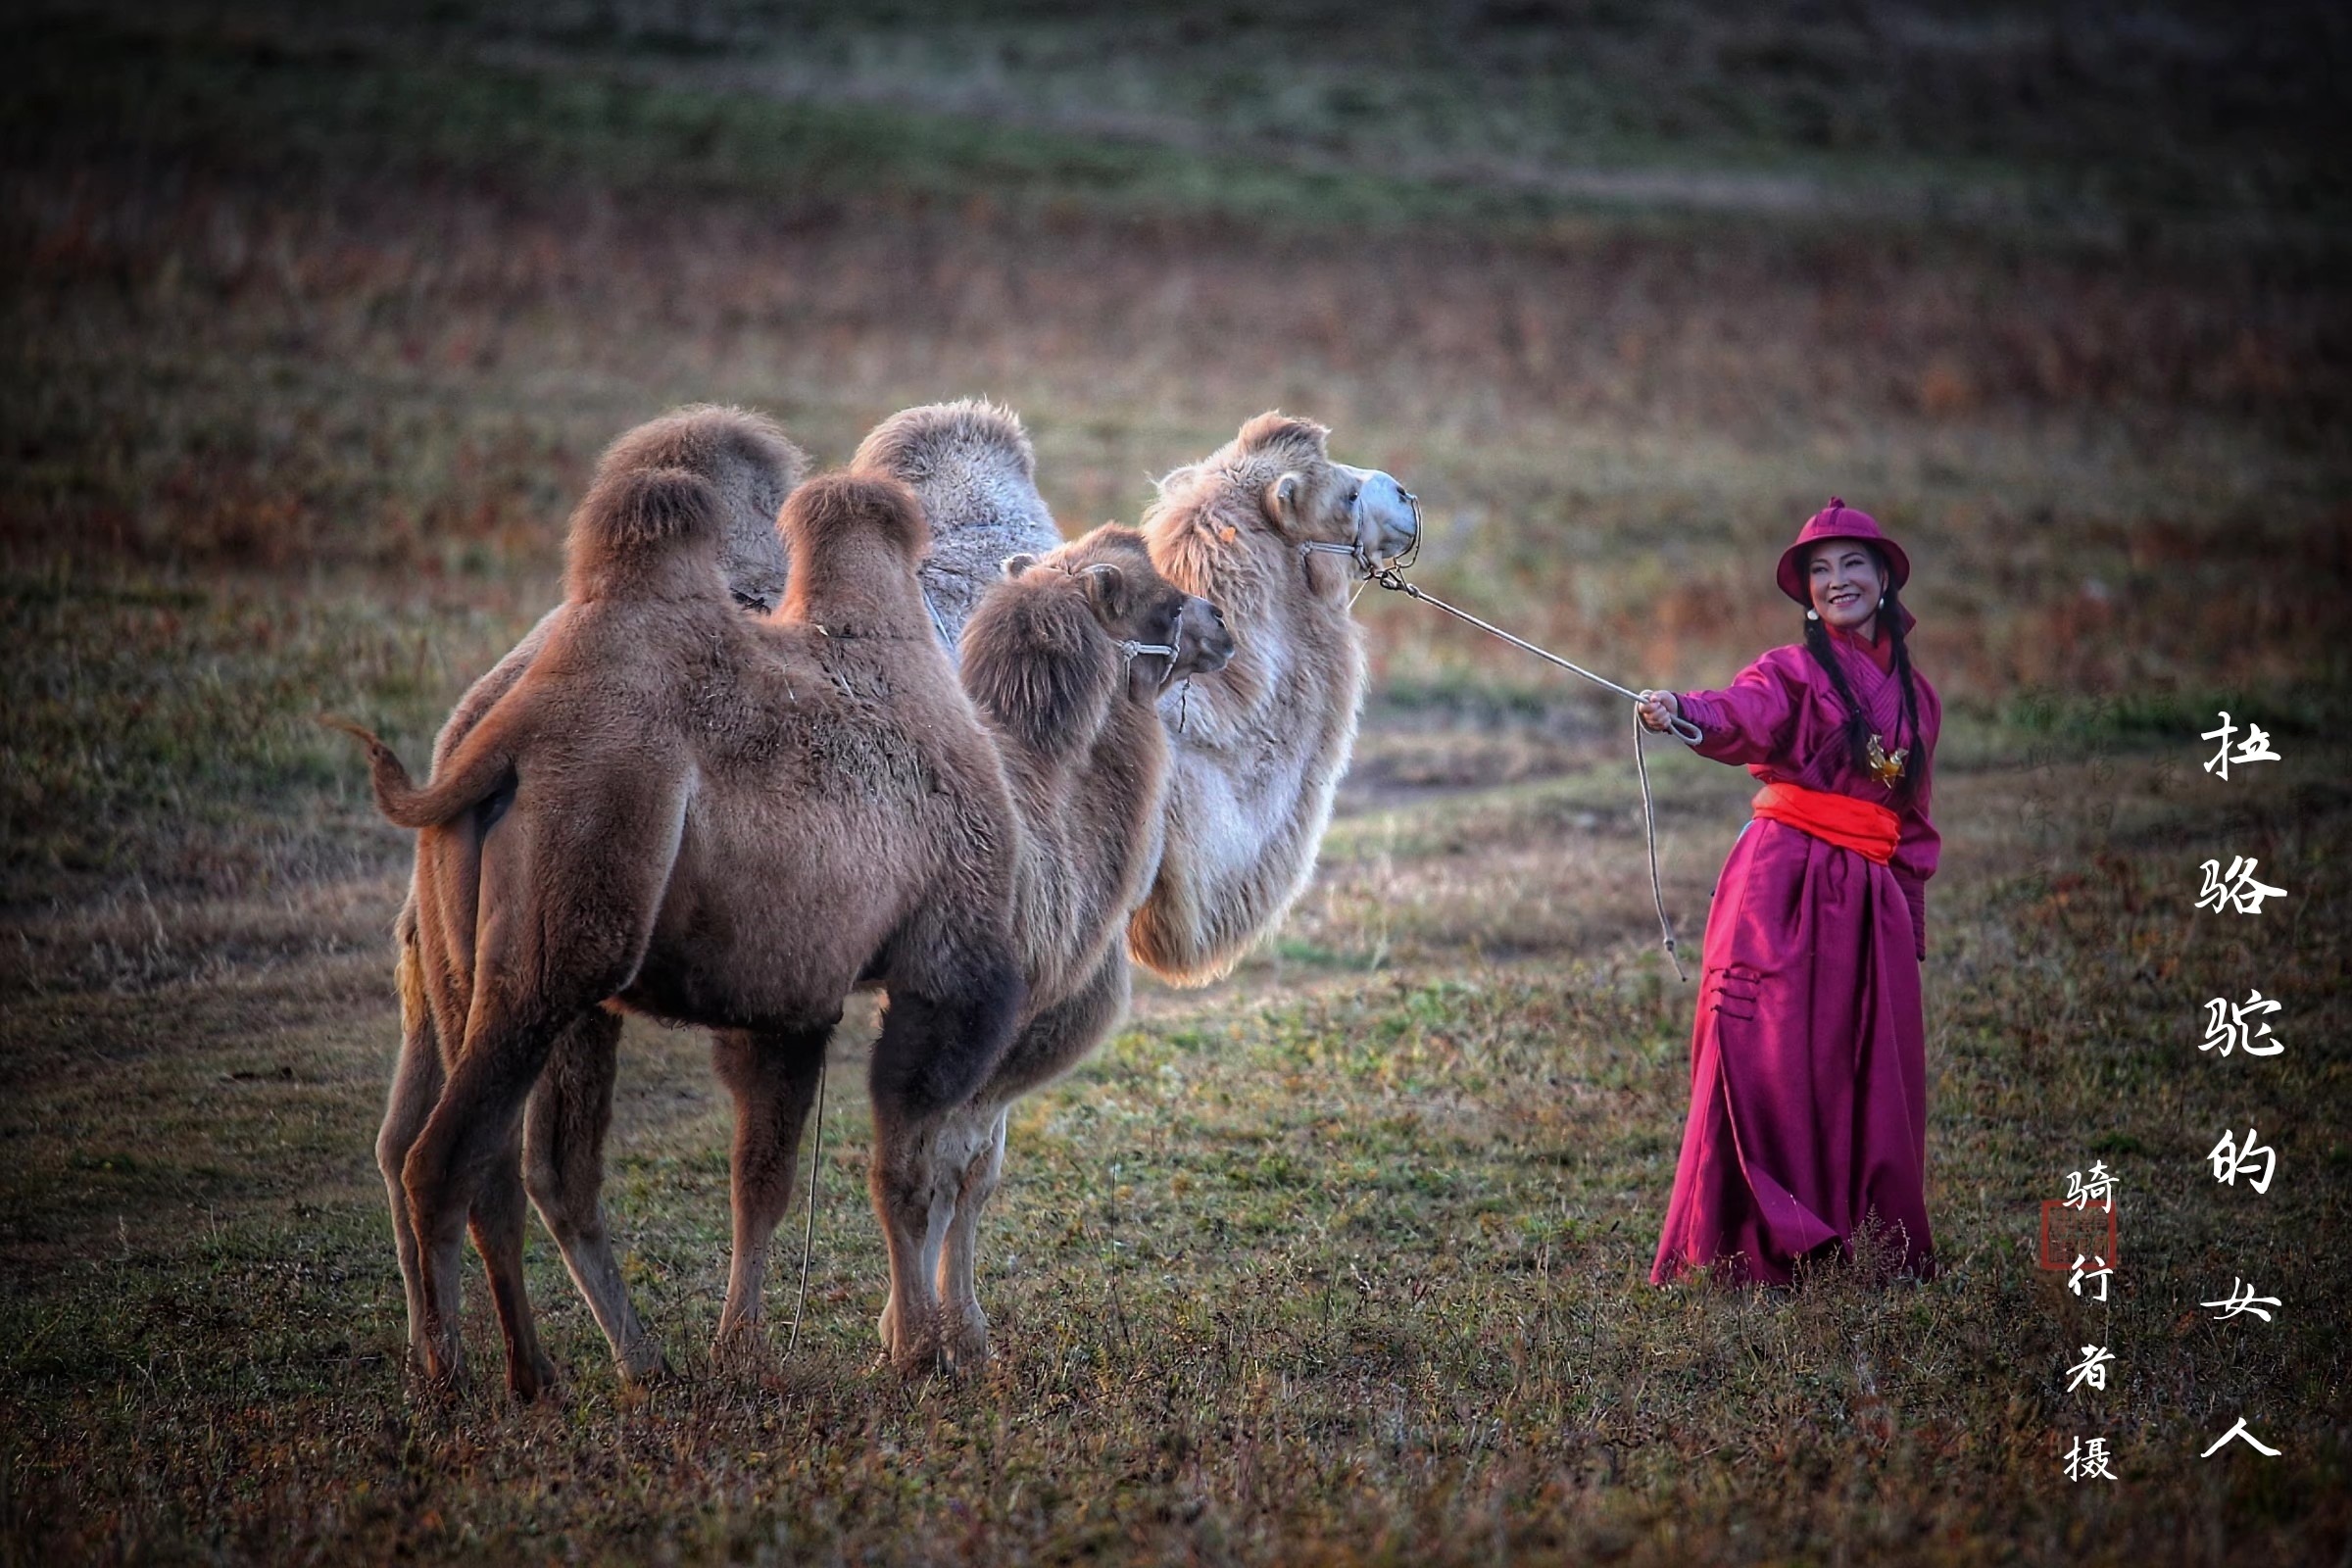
[
  {"x": 426, "y": 1385},
  {"x": 743, "y": 1349},
  {"x": 435, "y": 1361},
  {"x": 645, "y": 1367},
  {"x": 917, "y": 1357},
  {"x": 964, "y": 1342},
  {"x": 528, "y": 1384}
]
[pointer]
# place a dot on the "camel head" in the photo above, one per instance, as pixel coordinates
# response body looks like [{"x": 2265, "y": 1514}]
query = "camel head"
[
  {"x": 1141, "y": 609},
  {"x": 1271, "y": 505},
  {"x": 1063, "y": 632},
  {"x": 1387, "y": 516}
]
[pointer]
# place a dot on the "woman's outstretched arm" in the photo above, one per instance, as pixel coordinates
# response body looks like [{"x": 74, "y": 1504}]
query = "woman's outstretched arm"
[{"x": 1754, "y": 718}]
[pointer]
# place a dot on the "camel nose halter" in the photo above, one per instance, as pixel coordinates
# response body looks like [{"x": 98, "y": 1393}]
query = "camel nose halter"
[
  {"x": 1683, "y": 730},
  {"x": 1365, "y": 569},
  {"x": 1129, "y": 649}
]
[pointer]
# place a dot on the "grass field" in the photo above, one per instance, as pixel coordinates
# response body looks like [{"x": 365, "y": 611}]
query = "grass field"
[{"x": 315, "y": 327}]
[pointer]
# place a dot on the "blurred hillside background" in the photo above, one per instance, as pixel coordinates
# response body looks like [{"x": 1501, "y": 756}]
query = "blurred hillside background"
[{"x": 316, "y": 317}]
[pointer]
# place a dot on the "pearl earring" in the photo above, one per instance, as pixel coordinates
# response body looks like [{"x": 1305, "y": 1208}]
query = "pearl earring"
[
  {"x": 1882, "y": 601},
  {"x": 1812, "y": 614}
]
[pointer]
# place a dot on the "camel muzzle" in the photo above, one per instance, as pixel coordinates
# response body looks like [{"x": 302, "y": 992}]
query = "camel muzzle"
[{"x": 1388, "y": 518}]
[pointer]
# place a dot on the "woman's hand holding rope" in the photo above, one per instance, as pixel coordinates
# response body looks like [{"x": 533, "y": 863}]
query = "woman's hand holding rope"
[{"x": 1659, "y": 711}]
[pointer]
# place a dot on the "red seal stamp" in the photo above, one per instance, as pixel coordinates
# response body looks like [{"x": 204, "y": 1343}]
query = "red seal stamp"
[{"x": 2070, "y": 1231}]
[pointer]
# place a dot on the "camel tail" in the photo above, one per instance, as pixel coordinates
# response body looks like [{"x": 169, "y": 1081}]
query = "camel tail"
[{"x": 468, "y": 777}]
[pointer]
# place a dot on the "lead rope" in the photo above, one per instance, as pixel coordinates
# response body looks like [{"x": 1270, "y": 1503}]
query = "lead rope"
[
  {"x": 1649, "y": 834},
  {"x": 816, "y": 1148},
  {"x": 1683, "y": 730}
]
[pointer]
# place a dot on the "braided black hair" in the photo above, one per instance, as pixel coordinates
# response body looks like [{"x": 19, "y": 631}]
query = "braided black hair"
[{"x": 1857, "y": 728}]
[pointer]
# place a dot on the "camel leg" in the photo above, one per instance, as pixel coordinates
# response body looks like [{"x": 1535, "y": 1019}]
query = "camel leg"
[
  {"x": 498, "y": 1219},
  {"x": 774, "y": 1077},
  {"x": 564, "y": 1167},
  {"x": 472, "y": 1127},
  {"x": 918, "y": 1181},
  {"x": 1055, "y": 1041},
  {"x": 415, "y": 1085},
  {"x": 974, "y": 1148},
  {"x": 930, "y": 1058}
]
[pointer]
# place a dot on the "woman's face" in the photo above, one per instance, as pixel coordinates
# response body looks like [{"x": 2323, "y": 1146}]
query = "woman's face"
[{"x": 1846, "y": 584}]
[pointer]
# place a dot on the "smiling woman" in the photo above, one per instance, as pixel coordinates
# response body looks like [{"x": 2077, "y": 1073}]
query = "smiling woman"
[{"x": 1808, "y": 1085}]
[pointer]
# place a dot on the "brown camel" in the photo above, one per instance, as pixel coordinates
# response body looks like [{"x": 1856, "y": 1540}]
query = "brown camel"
[
  {"x": 1066, "y": 659},
  {"x": 727, "y": 822},
  {"x": 1087, "y": 758},
  {"x": 1248, "y": 790},
  {"x": 754, "y": 467}
]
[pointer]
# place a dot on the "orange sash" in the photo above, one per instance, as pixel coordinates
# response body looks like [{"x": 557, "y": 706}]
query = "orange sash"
[{"x": 1859, "y": 826}]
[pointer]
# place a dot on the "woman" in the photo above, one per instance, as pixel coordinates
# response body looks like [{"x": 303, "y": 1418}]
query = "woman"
[{"x": 1808, "y": 1058}]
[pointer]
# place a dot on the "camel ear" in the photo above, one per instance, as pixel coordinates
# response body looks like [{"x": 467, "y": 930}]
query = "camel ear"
[
  {"x": 1016, "y": 565},
  {"x": 1106, "y": 589},
  {"x": 1282, "y": 500}
]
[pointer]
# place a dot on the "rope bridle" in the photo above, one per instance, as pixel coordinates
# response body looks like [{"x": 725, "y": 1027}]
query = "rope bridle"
[{"x": 1129, "y": 648}]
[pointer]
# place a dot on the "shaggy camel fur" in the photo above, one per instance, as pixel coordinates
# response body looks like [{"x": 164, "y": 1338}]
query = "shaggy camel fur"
[
  {"x": 973, "y": 466},
  {"x": 976, "y": 465},
  {"x": 1258, "y": 751},
  {"x": 727, "y": 822},
  {"x": 753, "y": 467},
  {"x": 1064, "y": 661}
]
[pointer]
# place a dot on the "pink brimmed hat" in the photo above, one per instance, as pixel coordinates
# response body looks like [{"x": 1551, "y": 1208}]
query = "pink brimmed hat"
[{"x": 1838, "y": 520}]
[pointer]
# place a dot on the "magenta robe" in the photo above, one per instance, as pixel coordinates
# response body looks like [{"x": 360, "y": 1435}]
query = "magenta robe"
[{"x": 1809, "y": 1058}]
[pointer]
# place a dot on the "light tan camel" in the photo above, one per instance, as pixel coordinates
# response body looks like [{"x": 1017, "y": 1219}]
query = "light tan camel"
[
  {"x": 728, "y": 822},
  {"x": 754, "y": 467},
  {"x": 1271, "y": 530},
  {"x": 1261, "y": 529}
]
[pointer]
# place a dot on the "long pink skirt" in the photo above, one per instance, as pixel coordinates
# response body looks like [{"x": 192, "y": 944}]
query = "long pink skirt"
[{"x": 1808, "y": 1068}]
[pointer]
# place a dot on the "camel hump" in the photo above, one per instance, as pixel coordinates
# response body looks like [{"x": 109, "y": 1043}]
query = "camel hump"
[
  {"x": 751, "y": 465},
  {"x": 972, "y": 463},
  {"x": 850, "y": 514},
  {"x": 855, "y": 541},
  {"x": 651, "y": 532},
  {"x": 1285, "y": 435},
  {"x": 946, "y": 438},
  {"x": 712, "y": 440}
]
